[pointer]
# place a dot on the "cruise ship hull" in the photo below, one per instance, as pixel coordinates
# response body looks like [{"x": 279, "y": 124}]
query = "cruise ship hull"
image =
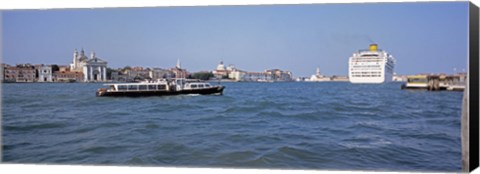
[
  {"x": 371, "y": 80},
  {"x": 367, "y": 80}
]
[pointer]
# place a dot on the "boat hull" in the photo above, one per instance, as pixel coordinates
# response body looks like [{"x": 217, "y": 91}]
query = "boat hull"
[{"x": 204, "y": 91}]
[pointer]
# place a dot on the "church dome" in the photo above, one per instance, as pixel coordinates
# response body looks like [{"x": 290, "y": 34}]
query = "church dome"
[
  {"x": 221, "y": 66},
  {"x": 82, "y": 58}
]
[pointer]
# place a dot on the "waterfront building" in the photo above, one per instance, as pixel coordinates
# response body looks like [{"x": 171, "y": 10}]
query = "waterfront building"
[
  {"x": 237, "y": 75},
  {"x": 371, "y": 66},
  {"x": 231, "y": 72},
  {"x": 131, "y": 74},
  {"x": 67, "y": 76},
  {"x": 257, "y": 77},
  {"x": 221, "y": 71},
  {"x": 178, "y": 71},
  {"x": 2, "y": 71},
  {"x": 279, "y": 75},
  {"x": 64, "y": 68},
  {"x": 93, "y": 69},
  {"x": 20, "y": 73},
  {"x": 340, "y": 78},
  {"x": 44, "y": 73},
  {"x": 138, "y": 74},
  {"x": 118, "y": 76},
  {"x": 159, "y": 73},
  {"x": 230, "y": 69},
  {"x": 79, "y": 60},
  {"x": 318, "y": 77}
]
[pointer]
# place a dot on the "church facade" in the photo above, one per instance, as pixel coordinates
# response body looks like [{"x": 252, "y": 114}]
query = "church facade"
[{"x": 94, "y": 69}]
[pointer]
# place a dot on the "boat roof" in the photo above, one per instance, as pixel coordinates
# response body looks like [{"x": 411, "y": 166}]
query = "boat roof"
[
  {"x": 152, "y": 83},
  {"x": 159, "y": 82},
  {"x": 417, "y": 76}
]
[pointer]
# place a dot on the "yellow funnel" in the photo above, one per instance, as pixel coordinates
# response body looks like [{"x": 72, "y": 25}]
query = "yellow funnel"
[{"x": 373, "y": 47}]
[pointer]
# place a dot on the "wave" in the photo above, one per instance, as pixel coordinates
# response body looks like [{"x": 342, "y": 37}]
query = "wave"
[
  {"x": 105, "y": 149},
  {"x": 34, "y": 127}
]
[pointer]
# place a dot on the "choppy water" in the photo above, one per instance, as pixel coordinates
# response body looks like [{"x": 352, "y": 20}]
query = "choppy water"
[{"x": 253, "y": 125}]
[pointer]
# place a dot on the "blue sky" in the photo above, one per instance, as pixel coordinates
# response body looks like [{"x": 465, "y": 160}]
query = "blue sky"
[{"x": 423, "y": 37}]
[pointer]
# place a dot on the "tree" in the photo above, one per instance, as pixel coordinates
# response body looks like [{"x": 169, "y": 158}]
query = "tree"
[
  {"x": 109, "y": 72},
  {"x": 202, "y": 75},
  {"x": 55, "y": 68}
]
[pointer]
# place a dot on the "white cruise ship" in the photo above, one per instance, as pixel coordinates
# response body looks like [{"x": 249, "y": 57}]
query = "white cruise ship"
[{"x": 371, "y": 66}]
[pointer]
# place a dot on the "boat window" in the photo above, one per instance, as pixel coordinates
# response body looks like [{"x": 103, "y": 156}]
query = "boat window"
[
  {"x": 151, "y": 87},
  {"x": 132, "y": 87},
  {"x": 193, "y": 86},
  {"x": 200, "y": 86},
  {"x": 421, "y": 80},
  {"x": 142, "y": 87},
  {"x": 122, "y": 87},
  {"x": 207, "y": 85},
  {"x": 160, "y": 87}
]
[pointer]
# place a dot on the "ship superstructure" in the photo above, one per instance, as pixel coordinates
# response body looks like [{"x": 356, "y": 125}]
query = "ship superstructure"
[{"x": 371, "y": 66}]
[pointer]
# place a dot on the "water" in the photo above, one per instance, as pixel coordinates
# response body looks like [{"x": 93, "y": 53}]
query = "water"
[{"x": 338, "y": 126}]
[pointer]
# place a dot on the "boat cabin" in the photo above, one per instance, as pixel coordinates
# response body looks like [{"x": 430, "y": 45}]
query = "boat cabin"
[
  {"x": 159, "y": 88},
  {"x": 418, "y": 79},
  {"x": 197, "y": 85},
  {"x": 137, "y": 87}
]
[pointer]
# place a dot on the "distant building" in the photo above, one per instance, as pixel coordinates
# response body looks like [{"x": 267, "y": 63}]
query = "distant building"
[
  {"x": 237, "y": 75},
  {"x": 67, "y": 76},
  {"x": 319, "y": 77},
  {"x": 2, "y": 70},
  {"x": 279, "y": 75},
  {"x": 44, "y": 73},
  {"x": 79, "y": 60},
  {"x": 118, "y": 76},
  {"x": 158, "y": 73},
  {"x": 138, "y": 74},
  {"x": 340, "y": 78},
  {"x": 20, "y": 73},
  {"x": 63, "y": 68},
  {"x": 178, "y": 71},
  {"x": 93, "y": 69},
  {"x": 257, "y": 77},
  {"x": 233, "y": 73},
  {"x": 221, "y": 71}
]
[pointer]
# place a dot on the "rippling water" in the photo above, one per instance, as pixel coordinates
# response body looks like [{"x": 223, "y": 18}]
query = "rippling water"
[{"x": 253, "y": 125}]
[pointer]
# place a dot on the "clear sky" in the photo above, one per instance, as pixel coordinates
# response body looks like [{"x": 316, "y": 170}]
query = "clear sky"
[{"x": 423, "y": 37}]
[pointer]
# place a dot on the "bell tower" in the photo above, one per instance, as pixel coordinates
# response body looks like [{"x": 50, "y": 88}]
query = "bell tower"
[
  {"x": 74, "y": 62},
  {"x": 178, "y": 64}
]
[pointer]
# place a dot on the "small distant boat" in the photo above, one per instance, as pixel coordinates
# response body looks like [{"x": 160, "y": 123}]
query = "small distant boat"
[
  {"x": 160, "y": 88},
  {"x": 417, "y": 82},
  {"x": 456, "y": 87}
]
